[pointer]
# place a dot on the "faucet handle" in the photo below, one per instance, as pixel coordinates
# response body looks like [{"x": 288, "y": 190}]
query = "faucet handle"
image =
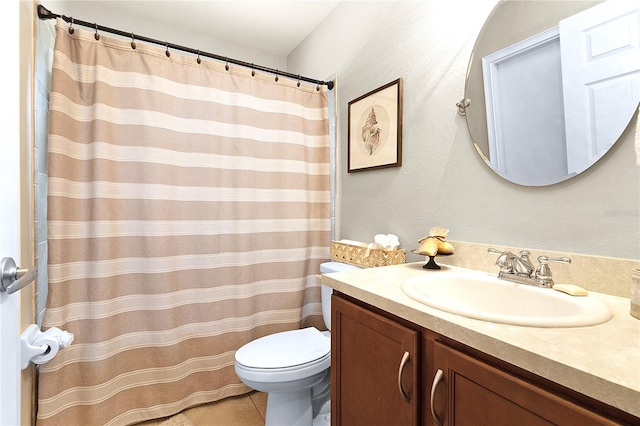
[
  {"x": 543, "y": 272},
  {"x": 546, "y": 259},
  {"x": 504, "y": 260},
  {"x": 493, "y": 250}
]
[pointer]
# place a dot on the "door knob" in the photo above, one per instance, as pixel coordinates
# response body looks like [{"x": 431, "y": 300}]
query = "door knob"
[{"x": 14, "y": 278}]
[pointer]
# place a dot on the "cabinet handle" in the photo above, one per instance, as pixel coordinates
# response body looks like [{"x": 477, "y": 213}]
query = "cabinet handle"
[
  {"x": 404, "y": 395},
  {"x": 436, "y": 381}
]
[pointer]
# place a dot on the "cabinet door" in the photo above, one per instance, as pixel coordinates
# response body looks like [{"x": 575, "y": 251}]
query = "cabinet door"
[
  {"x": 479, "y": 394},
  {"x": 374, "y": 368}
]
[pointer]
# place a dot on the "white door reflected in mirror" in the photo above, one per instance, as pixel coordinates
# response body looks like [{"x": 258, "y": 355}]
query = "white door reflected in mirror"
[
  {"x": 525, "y": 110},
  {"x": 601, "y": 78},
  {"x": 556, "y": 101}
]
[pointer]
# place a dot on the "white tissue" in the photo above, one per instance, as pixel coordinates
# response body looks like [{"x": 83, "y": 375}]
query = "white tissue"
[
  {"x": 385, "y": 242},
  {"x": 40, "y": 347}
]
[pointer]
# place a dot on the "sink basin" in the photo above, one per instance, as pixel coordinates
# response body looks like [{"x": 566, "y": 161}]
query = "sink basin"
[{"x": 485, "y": 297}]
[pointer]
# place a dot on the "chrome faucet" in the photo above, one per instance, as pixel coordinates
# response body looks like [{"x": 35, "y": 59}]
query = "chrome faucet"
[{"x": 519, "y": 269}]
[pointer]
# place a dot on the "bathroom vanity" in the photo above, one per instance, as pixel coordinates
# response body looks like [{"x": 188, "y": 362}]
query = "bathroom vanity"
[{"x": 398, "y": 361}]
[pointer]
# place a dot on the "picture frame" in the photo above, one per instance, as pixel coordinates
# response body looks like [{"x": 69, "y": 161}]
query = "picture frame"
[{"x": 374, "y": 139}]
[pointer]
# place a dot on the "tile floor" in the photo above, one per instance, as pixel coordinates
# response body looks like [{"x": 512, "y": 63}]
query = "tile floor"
[{"x": 243, "y": 410}]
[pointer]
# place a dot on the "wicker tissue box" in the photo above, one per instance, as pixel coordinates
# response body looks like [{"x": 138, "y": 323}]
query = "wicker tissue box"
[{"x": 363, "y": 256}]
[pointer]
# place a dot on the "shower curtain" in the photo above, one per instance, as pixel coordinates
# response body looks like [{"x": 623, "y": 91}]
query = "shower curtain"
[{"x": 188, "y": 213}]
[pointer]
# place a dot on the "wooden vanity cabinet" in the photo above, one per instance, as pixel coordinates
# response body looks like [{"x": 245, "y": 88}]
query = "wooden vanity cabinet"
[
  {"x": 369, "y": 380},
  {"x": 476, "y": 393},
  {"x": 374, "y": 368}
]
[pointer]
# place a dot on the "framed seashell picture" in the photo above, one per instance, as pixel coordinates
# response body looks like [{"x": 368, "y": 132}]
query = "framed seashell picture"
[{"x": 375, "y": 129}]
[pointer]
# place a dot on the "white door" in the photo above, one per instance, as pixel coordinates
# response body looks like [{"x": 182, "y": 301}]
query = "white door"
[
  {"x": 600, "y": 50},
  {"x": 9, "y": 214},
  {"x": 523, "y": 95}
]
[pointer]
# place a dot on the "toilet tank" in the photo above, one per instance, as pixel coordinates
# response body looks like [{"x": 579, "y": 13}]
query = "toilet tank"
[{"x": 326, "y": 268}]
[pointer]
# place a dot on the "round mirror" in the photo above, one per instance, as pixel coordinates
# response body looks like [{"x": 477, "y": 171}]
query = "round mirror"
[{"x": 551, "y": 86}]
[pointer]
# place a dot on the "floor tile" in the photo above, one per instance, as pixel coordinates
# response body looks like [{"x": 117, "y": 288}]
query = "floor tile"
[
  {"x": 243, "y": 410},
  {"x": 260, "y": 401},
  {"x": 234, "y": 411}
]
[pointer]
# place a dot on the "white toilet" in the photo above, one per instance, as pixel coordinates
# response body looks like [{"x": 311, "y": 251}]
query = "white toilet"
[{"x": 292, "y": 367}]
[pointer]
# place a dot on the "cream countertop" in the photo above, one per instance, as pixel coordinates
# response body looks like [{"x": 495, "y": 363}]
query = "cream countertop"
[{"x": 601, "y": 361}]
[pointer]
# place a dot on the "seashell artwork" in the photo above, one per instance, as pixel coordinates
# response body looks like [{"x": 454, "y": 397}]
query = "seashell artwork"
[
  {"x": 371, "y": 133},
  {"x": 375, "y": 129}
]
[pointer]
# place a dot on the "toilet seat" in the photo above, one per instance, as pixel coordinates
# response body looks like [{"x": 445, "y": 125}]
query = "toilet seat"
[
  {"x": 285, "y": 349},
  {"x": 285, "y": 374},
  {"x": 285, "y": 356}
]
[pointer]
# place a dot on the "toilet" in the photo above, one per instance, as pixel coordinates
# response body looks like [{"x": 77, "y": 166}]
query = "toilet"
[{"x": 292, "y": 367}]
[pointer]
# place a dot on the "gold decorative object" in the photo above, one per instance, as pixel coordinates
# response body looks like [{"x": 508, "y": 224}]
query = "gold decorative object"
[{"x": 433, "y": 245}]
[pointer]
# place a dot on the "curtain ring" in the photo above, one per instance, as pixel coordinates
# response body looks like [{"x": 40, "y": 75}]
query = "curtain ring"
[
  {"x": 198, "y": 60},
  {"x": 166, "y": 45},
  {"x": 133, "y": 42},
  {"x": 277, "y": 75},
  {"x": 71, "y": 30},
  {"x": 318, "y": 86},
  {"x": 226, "y": 63},
  {"x": 298, "y": 80},
  {"x": 96, "y": 35},
  {"x": 253, "y": 71}
]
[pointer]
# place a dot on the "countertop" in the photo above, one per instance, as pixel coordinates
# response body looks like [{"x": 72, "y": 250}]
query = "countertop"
[{"x": 601, "y": 361}]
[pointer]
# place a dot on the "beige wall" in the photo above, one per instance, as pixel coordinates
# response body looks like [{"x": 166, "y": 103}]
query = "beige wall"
[{"x": 442, "y": 180}]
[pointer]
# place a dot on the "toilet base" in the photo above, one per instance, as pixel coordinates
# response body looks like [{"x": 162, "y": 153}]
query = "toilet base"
[
  {"x": 324, "y": 416},
  {"x": 302, "y": 407},
  {"x": 294, "y": 409},
  {"x": 289, "y": 408}
]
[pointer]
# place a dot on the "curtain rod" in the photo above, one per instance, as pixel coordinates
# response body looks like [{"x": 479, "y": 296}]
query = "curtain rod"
[{"x": 44, "y": 13}]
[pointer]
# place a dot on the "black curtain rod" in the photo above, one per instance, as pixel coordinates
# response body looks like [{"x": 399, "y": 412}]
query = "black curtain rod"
[{"x": 44, "y": 13}]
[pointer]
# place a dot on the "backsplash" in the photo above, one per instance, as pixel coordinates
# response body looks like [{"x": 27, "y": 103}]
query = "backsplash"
[{"x": 595, "y": 273}]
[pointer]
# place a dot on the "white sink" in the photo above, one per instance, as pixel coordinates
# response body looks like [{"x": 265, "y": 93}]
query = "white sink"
[{"x": 483, "y": 296}]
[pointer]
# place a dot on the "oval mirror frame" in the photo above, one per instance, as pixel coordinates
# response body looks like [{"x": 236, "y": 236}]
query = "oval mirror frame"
[{"x": 511, "y": 22}]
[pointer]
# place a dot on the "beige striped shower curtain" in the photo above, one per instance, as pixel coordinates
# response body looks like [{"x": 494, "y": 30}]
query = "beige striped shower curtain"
[{"x": 188, "y": 213}]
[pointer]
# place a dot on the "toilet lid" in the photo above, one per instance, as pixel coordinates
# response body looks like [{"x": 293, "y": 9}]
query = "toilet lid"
[{"x": 285, "y": 349}]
